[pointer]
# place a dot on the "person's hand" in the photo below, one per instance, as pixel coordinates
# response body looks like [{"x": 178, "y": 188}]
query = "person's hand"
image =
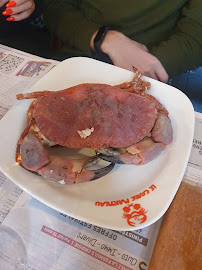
[
  {"x": 18, "y": 9},
  {"x": 126, "y": 53}
]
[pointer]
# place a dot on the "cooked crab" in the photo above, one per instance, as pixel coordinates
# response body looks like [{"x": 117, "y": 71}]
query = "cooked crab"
[{"x": 122, "y": 123}]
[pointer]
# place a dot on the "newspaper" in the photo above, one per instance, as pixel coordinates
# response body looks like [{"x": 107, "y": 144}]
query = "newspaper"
[
  {"x": 56, "y": 241},
  {"x": 193, "y": 173},
  {"x": 18, "y": 72},
  {"x": 52, "y": 239}
]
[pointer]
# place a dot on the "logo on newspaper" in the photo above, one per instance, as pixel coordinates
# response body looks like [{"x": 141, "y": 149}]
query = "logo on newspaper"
[{"x": 134, "y": 214}]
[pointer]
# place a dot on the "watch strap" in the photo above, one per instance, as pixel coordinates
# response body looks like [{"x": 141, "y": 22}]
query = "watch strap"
[{"x": 99, "y": 38}]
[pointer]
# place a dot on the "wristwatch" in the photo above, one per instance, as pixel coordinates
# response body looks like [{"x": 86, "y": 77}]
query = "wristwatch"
[{"x": 99, "y": 38}]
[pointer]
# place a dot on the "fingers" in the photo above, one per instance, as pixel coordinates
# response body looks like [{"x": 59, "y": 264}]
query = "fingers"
[
  {"x": 156, "y": 72},
  {"x": 20, "y": 2},
  {"x": 154, "y": 69},
  {"x": 23, "y": 15},
  {"x": 23, "y": 11},
  {"x": 19, "y": 9},
  {"x": 161, "y": 73},
  {"x": 22, "y": 7},
  {"x": 152, "y": 75}
]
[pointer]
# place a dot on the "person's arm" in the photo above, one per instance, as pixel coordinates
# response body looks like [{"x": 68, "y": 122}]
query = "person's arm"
[
  {"x": 182, "y": 51},
  {"x": 65, "y": 20},
  {"x": 126, "y": 53}
]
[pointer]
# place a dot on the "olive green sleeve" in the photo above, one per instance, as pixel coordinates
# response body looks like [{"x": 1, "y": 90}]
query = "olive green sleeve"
[
  {"x": 182, "y": 51},
  {"x": 66, "y": 21}
]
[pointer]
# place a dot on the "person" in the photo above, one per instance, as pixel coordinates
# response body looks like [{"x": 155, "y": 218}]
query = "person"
[{"x": 162, "y": 38}]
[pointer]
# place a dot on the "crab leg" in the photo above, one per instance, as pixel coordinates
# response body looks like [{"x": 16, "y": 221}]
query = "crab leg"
[
  {"x": 68, "y": 172},
  {"x": 136, "y": 86},
  {"x": 162, "y": 130},
  {"x": 32, "y": 95},
  {"x": 145, "y": 150},
  {"x": 32, "y": 155},
  {"x": 138, "y": 154},
  {"x": 160, "y": 108}
]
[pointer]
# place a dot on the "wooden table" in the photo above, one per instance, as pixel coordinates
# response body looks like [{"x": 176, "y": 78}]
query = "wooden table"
[{"x": 179, "y": 242}]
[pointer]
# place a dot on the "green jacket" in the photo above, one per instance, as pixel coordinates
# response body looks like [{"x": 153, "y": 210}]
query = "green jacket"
[{"x": 171, "y": 29}]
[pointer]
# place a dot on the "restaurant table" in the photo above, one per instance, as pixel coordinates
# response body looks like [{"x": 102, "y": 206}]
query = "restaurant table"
[{"x": 178, "y": 244}]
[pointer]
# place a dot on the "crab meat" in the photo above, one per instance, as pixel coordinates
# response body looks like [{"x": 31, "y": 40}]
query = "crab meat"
[
  {"x": 131, "y": 126},
  {"x": 86, "y": 132}
]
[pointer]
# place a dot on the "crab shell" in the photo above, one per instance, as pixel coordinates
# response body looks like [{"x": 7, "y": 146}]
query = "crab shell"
[{"x": 95, "y": 116}]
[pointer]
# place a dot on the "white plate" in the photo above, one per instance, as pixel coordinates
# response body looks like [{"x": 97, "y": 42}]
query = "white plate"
[{"x": 146, "y": 191}]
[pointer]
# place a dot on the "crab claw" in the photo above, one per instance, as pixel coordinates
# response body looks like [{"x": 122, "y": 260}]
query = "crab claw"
[
  {"x": 103, "y": 171},
  {"x": 162, "y": 130},
  {"x": 67, "y": 171},
  {"x": 33, "y": 156},
  {"x": 115, "y": 159},
  {"x": 138, "y": 154}
]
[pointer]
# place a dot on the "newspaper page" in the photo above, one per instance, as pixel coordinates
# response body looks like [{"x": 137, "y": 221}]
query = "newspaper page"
[
  {"x": 56, "y": 241},
  {"x": 193, "y": 173},
  {"x": 18, "y": 72}
]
